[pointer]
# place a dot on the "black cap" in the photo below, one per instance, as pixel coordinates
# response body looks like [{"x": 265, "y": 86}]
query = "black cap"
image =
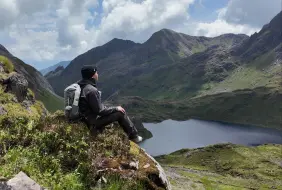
[{"x": 88, "y": 71}]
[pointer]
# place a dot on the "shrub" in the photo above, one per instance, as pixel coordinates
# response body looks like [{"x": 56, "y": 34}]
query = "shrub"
[{"x": 8, "y": 65}]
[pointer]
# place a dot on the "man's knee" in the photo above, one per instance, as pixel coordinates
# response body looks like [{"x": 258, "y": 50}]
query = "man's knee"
[{"x": 119, "y": 115}]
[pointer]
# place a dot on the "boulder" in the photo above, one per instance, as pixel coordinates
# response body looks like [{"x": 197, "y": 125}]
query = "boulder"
[
  {"x": 27, "y": 104},
  {"x": 161, "y": 179},
  {"x": 18, "y": 85},
  {"x": 143, "y": 168},
  {"x": 2, "y": 111},
  {"x": 2, "y": 70},
  {"x": 22, "y": 182}
]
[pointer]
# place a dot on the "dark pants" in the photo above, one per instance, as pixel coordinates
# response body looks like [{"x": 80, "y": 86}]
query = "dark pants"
[{"x": 123, "y": 120}]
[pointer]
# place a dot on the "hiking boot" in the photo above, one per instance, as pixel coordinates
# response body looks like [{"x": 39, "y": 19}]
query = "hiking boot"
[{"x": 137, "y": 139}]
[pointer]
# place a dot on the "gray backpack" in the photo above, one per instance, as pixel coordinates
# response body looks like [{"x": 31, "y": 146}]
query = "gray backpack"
[{"x": 71, "y": 95}]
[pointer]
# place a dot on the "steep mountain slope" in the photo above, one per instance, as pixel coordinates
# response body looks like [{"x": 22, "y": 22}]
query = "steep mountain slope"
[
  {"x": 55, "y": 72},
  {"x": 54, "y": 67},
  {"x": 260, "y": 43},
  {"x": 41, "y": 87},
  {"x": 248, "y": 63}
]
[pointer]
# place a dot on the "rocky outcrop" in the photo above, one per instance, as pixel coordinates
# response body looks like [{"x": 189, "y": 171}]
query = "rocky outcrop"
[
  {"x": 2, "y": 67},
  {"x": 20, "y": 182},
  {"x": 162, "y": 179},
  {"x": 2, "y": 110},
  {"x": 18, "y": 85},
  {"x": 125, "y": 159},
  {"x": 140, "y": 167}
]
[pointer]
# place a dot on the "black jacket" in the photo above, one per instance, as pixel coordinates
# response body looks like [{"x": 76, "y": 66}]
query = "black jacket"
[{"x": 90, "y": 105}]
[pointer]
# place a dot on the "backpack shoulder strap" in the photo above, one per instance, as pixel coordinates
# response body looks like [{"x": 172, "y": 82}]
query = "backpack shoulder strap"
[{"x": 76, "y": 95}]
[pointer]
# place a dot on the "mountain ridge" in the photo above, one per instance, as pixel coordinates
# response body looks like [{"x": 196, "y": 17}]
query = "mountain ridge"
[{"x": 168, "y": 52}]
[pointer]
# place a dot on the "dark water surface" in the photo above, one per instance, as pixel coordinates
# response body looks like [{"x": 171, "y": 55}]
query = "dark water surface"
[{"x": 170, "y": 135}]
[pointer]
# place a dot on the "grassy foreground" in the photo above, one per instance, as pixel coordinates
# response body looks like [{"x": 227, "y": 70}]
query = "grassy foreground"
[{"x": 225, "y": 167}]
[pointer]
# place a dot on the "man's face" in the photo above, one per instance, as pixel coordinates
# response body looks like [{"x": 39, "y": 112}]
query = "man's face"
[{"x": 96, "y": 76}]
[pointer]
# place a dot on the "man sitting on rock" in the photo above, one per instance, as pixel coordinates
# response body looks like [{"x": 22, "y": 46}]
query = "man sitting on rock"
[{"x": 96, "y": 114}]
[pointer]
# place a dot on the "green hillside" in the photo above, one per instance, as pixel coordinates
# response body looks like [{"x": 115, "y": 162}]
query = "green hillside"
[{"x": 225, "y": 167}]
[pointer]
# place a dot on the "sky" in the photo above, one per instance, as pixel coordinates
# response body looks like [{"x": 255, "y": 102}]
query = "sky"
[{"x": 43, "y": 33}]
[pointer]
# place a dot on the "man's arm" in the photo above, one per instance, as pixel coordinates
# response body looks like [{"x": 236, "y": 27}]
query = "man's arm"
[{"x": 97, "y": 106}]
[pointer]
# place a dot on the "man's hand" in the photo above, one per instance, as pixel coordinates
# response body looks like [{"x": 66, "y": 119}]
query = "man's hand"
[{"x": 119, "y": 108}]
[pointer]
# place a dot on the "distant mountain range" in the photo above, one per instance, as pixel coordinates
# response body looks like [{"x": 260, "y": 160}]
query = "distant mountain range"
[
  {"x": 64, "y": 64},
  {"x": 122, "y": 63},
  {"x": 172, "y": 67}
]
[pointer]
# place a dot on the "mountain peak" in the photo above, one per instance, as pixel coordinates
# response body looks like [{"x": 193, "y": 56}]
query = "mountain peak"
[
  {"x": 163, "y": 33},
  {"x": 167, "y": 30},
  {"x": 162, "y": 36},
  {"x": 114, "y": 45},
  {"x": 117, "y": 41}
]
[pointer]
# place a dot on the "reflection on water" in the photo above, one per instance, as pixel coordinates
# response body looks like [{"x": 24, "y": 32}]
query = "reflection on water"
[{"x": 170, "y": 135}]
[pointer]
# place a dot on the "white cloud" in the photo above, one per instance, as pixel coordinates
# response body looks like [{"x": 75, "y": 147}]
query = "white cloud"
[
  {"x": 65, "y": 32},
  {"x": 72, "y": 17},
  {"x": 137, "y": 20},
  {"x": 255, "y": 13},
  {"x": 219, "y": 27},
  {"x": 8, "y": 12},
  {"x": 57, "y": 30}
]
